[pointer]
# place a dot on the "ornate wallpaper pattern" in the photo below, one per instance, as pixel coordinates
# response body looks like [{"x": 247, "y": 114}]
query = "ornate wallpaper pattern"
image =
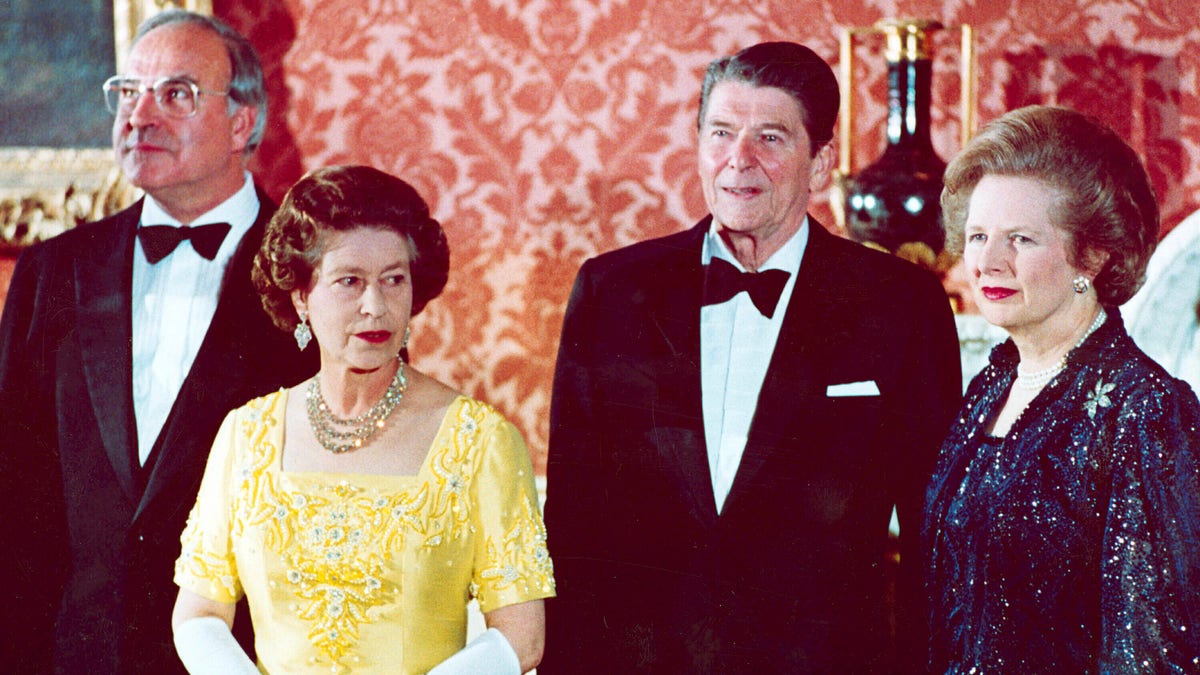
[{"x": 545, "y": 131}]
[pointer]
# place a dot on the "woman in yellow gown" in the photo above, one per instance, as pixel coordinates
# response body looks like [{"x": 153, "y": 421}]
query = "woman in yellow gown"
[{"x": 359, "y": 511}]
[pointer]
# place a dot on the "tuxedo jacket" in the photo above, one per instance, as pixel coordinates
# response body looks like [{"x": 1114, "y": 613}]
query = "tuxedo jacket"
[
  {"x": 790, "y": 577},
  {"x": 92, "y": 535}
]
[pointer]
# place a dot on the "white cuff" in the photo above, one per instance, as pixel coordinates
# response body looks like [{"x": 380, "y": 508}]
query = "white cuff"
[
  {"x": 488, "y": 654},
  {"x": 207, "y": 647}
]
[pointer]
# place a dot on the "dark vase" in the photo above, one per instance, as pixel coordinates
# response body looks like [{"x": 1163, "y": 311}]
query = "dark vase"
[{"x": 894, "y": 201}]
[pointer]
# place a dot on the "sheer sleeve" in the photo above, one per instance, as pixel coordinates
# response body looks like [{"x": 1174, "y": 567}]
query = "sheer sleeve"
[
  {"x": 1150, "y": 569},
  {"x": 206, "y": 565},
  {"x": 512, "y": 563}
]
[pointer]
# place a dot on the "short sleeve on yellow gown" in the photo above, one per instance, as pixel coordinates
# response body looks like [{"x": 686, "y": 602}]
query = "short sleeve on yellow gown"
[{"x": 366, "y": 573}]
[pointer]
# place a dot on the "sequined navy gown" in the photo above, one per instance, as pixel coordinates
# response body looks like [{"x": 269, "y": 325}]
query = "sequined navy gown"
[{"x": 1072, "y": 544}]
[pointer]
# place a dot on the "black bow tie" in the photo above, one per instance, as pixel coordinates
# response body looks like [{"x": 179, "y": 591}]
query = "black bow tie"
[
  {"x": 724, "y": 281},
  {"x": 159, "y": 240}
]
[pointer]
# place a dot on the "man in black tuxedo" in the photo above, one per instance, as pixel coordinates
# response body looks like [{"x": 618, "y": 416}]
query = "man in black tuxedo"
[
  {"x": 736, "y": 410},
  {"x": 123, "y": 344}
]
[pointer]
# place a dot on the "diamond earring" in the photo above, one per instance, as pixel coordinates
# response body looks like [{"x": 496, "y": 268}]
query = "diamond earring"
[
  {"x": 1080, "y": 284},
  {"x": 302, "y": 333}
]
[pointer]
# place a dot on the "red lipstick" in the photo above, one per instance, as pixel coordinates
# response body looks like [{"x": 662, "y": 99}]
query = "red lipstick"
[
  {"x": 374, "y": 336},
  {"x": 995, "y": 293}
]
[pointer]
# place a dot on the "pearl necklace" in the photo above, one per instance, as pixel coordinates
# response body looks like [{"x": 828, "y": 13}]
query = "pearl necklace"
[
  {"x": 331, "y": 431},
  {"x": 1039, "y": 379}
]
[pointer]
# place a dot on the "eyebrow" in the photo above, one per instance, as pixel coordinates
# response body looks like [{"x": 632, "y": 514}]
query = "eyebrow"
[
  {"x": 351, "y": 268},
  {"x": 1001, "y": 229},
  {"x": 968, "y": 225},
  {"x": 145, "y": 78},
  {"x": 773, "y": 127},
  {"x": 776, "y": 127}
]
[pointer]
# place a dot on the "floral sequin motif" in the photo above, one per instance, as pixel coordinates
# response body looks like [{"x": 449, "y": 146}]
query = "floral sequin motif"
[
  {"x": 331, "y": 537},
  {"x": 334, "y": 563},
  {"x": 199, "y": 561},
  {"x": 507, "y": 558},
  {"x": 1098, "y": 398},
  {"x": 335, "y": 543}
]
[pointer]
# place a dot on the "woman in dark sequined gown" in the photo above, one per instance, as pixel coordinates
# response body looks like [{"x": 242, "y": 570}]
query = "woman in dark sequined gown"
[{"x": 1063, "y": 521}]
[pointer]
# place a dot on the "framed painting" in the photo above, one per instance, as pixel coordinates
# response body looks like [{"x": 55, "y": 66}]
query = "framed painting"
[{"x": 56, "y": 165}]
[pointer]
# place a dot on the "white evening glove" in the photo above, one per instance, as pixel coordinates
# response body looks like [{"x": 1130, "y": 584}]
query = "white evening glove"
[
  {"x": 488, "y": 654},
  {"x": 207, "y": 647}
]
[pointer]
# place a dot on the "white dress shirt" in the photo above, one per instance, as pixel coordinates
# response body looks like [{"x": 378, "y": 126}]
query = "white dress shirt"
[
  {"x": 736, "y": 344},
  {"x": 173, "y": 304}
]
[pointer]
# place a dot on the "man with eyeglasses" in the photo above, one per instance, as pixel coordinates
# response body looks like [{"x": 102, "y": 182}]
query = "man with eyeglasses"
[{"x": 123, "y": 344}]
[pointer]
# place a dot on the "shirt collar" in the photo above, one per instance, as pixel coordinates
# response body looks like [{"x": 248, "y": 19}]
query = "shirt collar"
[
  {"x": 787, "y": 258},
  {"x": 240, "y": 211}
]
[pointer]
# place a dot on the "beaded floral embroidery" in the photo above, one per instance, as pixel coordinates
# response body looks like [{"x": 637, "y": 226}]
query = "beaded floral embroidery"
[
  {"x": 334, "y": 538},
  {"x": 509, "y": 556}
]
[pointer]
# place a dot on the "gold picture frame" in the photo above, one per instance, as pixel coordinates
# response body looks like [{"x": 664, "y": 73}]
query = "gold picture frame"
[{"x": 44, "y": 191}]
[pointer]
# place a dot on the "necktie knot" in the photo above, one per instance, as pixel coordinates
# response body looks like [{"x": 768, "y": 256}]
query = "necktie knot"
[
  {"x": 159, "y": 240},
  {"x": 723, "y": 281}
]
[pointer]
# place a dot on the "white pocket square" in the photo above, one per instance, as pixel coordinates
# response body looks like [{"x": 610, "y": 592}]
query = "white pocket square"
[{"x": 864, "y": 388}]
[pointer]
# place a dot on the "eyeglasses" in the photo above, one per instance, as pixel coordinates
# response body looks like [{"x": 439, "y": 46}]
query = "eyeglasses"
[{"x": 175, "y": 96}]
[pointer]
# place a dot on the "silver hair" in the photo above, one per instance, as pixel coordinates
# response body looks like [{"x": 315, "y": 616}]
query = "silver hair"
[{"x": 246, "y": 88}]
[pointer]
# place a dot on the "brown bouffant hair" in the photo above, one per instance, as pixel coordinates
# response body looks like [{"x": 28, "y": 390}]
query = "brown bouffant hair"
[
  {"x": 338, "y": 199},
  {"x": 1105, "y": 201}
]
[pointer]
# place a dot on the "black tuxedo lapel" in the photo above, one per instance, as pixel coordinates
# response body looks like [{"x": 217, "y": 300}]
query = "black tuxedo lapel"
[
  {"x": 793, "y": 378},
  {"x": 105, "y": 328},
  {"x": 220, "y": 362},
  {"x": 677, "y": 290}
]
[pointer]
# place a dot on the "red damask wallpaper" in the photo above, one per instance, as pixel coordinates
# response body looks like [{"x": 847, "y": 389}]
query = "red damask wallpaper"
[{"x": 546, "y": 131}]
